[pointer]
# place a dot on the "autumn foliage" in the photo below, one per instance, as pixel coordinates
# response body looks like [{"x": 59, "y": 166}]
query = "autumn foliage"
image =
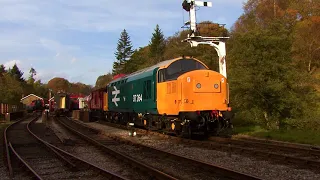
[{"x": 60, "y": 84}]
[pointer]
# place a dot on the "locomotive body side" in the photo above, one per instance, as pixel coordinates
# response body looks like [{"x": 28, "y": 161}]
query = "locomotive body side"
[{"x": 134, "y": 93}]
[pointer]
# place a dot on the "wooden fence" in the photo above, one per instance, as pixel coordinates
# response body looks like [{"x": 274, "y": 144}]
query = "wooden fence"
[
  {"x": 8, "y": 108},
  {"x": 14, "y": 110}
]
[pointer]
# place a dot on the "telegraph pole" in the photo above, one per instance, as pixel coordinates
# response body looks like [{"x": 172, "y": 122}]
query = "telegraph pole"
[{"x": 218, "y": 43}]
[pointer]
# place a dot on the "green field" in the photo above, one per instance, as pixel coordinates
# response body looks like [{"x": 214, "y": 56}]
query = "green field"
[{"x": 295, "y": 136}]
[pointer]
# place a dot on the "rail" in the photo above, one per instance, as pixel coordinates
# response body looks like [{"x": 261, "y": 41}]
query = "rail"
[
  {"x": 25, "y": 163},
  {"x": 62, "y": 155},
  {"x": 9, "y": 147},
  {"x": 59, "y": 153}
]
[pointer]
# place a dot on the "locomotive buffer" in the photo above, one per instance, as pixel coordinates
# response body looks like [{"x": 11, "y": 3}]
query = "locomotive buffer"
[{"x": 218, "y": 43}]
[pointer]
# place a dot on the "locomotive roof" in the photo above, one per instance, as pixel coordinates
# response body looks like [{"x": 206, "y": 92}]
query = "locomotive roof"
[{"x": 149, "y": 70}]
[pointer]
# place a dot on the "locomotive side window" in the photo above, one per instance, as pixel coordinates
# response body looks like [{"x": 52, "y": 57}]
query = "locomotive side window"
[
  {"x": 174, "y": 70},
  {"x": 146, "y": 89},
  {"x": 161, "y": 76}
]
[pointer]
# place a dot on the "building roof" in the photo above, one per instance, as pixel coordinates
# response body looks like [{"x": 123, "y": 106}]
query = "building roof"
[{"x": 29, "y": 96}]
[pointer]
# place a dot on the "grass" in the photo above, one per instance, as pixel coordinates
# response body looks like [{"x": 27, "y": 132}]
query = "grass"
[
  {"x": 295, "y": 136},
  {"x": 4, "y": 125}
]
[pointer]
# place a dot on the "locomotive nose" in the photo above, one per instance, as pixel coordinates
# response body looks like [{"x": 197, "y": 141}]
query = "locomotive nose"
[
  {"x": 207, "y": 83},
  {"x": 205, "y": 90}
]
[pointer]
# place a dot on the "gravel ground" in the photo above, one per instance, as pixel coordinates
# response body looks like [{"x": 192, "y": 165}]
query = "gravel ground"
[
  {"x": 88, "y": 152},
  {"x": 161, "y": 161},
  {"x": 165, "y": 164},
  {"x": 3, "y": 170},
  {"x": 253, "y": 166}
]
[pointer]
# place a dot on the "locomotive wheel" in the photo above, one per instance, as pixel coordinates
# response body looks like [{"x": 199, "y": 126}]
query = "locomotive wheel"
[
  {"x": 124, "y": 118},
  {"x": 217, "y": 129},
  {"x": 186, "y": 131}
]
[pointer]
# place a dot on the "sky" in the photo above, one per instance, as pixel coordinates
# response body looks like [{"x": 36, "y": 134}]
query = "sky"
[{"x": 77, "y": 39}]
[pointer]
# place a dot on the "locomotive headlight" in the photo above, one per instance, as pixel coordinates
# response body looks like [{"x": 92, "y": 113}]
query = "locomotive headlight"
[
  {"x": 216, "y": 86},
  {"x": 198, "y": 85}
]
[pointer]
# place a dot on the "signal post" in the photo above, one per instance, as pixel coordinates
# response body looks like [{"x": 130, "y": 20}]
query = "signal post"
[{"x": 218, "y": 43}]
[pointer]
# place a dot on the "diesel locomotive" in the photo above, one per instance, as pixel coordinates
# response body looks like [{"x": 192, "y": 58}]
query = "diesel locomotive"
[{"x": 180, "y": 96}]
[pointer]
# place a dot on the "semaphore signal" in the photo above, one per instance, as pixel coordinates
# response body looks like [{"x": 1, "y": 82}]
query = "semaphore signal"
[
  {"x": 217, "y": 42},
  {"x": 189, "y": 6}
]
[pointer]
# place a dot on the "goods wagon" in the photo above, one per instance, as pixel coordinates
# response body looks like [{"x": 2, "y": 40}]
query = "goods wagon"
[
  {"x": 64, "y": 103},
  {"x": 98, "y": 103},
  {"x": 181, "y": 96},
  {"x": 75, "y": 101},
  {"x": 61, "y": 103}
]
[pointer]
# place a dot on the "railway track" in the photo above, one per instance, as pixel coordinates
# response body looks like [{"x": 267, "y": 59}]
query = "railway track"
[
  {"x": 299, "y": 155},
  {"x": 196, "y": 169},
  {"x": 92, "y": 136},
  {"x": 42, "y": 160},
  {"x": 77, "y": 146},
  {"x": 302, "y": 156}
]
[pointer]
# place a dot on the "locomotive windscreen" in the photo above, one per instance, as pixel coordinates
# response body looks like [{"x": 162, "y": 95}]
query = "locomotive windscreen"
[{"x": 178, "y": 68}]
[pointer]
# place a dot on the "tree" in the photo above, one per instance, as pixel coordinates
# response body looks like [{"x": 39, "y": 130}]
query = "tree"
[
  {"x": 40, "y": 89},
  {"x": 259, "y": 14},
  {"x": 103, "y": 80},
  {"x": 10, "y": 90},
  {"x": 263, "y": 79},
  {"x": 31, "y": 79},
  {"x": 306, "y": 47},
  {"x": 208, "y": 28},
  {"x": 138, "y": 60},
  {"x": 80, "y": 88},
  {"x": 207, "y": 54},
  {"x": 59, "y": 84},
  {"x": 123, "y": 54},
  {"x": 2, "y": 70},
  {"x": 157, "y": 45},
  {"x": 16, "y": 73}
]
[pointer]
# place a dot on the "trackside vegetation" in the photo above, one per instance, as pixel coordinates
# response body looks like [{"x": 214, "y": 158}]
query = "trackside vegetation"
[{"x": 13, "y": 86}]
